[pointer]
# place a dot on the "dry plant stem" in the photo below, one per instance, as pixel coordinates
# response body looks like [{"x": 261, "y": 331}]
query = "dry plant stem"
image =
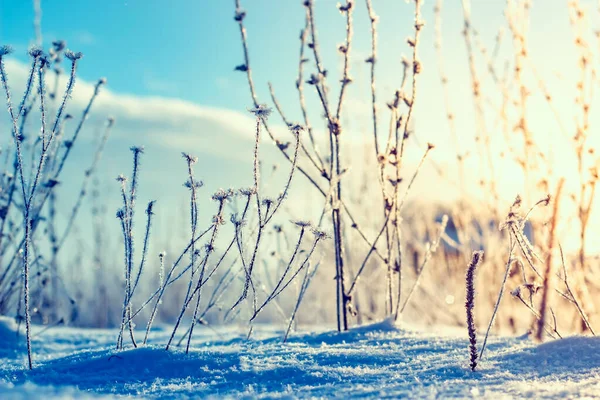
[
  {"x": 210, "y": 250},
  {"x": 282, "y": 278},
  {"x": 430, "y": 251},
  {"x": 549, "y": 272},
  {"x": 372, "y": 60},
  {"x": 288, "y": 183},
  {"x": 346, "y": 80},
  {"x": 167, "y": 280},
  {"x": 88, "y": 175},
  {"x": 368, "y": 256},
  {"x": 416, "y": 64},
  {"x": 149, "y": 214},
  {"x": 511, "y": 252},
  {"x": 84, "y": 117},
  {"x": 414, "y": 176},
  {"x": 308, "y": 275},
  {"x": 192, "y": 185},
  {"x": 161, "y": 257},
  {"x": 342, "y": 299},
  {"x": 549, "y": 329},
  {"x": 289, "y": 124},
  {"x": 256, "y": 175},
  {"x": 572, "y": 295},
  {"x": 302, "y": 100},
  {"x": 300, "y": 268}
]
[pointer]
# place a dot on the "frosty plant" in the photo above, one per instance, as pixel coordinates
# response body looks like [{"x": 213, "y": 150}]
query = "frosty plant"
[
  {"x": 203, "y": 268},
  {"x": 470, "y": 305},
  {"x": 326, "y": 172},
  {"x": 126, "y": 217},
  {"x": 30, "y": 186}
]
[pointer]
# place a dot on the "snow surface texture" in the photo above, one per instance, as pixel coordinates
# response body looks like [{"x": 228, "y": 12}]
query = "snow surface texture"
[{"x": 378, "y": 360}]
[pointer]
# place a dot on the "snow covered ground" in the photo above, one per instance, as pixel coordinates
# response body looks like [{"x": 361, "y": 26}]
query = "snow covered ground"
[{"x": 378, "y": 361}]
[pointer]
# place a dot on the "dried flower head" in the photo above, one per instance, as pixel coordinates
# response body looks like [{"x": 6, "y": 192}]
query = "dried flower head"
[
  {"x": 240, "y": 14},
  {"x": 73, "y": 56},
  {"x": 250, "y": 191},
  {"x": 120, "y": 213},
  {"x": 314, "y": 80},
  {"x": 516, "y": 292},
  {"x": 302, "y": 224},
  {"x": 150, "y": 207},
  {"x": 6, "y": 49},
  {"x": 296, "y": 129},
  {"x": 268, "y": 202},
  {"x": 344, "y": 7},
  {"x": 222, "y": 195},
  {"x": 137, "y": 149},
  {"x": 320, "y": 234},
  {"x": 261, "y": 111},
  {"x": 35, "y": 51},
  {"x": 194, "y": 185},
  {"x": 121, "y": 178},
  {"x": 189, "y": 158}
]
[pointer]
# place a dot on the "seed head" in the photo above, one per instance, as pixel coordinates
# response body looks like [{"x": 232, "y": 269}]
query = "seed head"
[
  {"x": 35, "y": 51},
  {"x": 150, "y": 207},
  {"x": 296, "y": 128},
  {"x": 73, "y": 56},
  {"x": 6, "y": 49},
  {"x": 190, "y": 158},
  {"x": 195, "y": 185},
  {"x": 261, "y": 111},
  {"x": 268, "y": 202},
  {"x": 250, "y": 191},
  {"x": 222, "y": 195},
  {"x": 240, "y": 14},
  {"x": 302, "y": 224},
  {"x": 320, "y": 234}
]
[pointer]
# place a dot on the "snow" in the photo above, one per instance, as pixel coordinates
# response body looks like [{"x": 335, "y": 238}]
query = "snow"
[{"x": 377, "y": 360}]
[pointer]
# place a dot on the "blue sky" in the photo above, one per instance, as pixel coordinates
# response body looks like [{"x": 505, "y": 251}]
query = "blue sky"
[{"x": 187, "y": 49}]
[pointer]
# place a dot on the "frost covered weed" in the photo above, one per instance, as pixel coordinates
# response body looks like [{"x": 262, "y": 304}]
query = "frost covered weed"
[
  {"x": 326, "y": 172},
  {"x": 470, "y": 305},
  {"x": 205, "y": 268},
  {"x": 27, "y": 188}
]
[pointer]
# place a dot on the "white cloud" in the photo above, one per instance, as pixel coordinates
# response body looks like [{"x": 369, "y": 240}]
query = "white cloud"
[{"x": 156, "y": 120}]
